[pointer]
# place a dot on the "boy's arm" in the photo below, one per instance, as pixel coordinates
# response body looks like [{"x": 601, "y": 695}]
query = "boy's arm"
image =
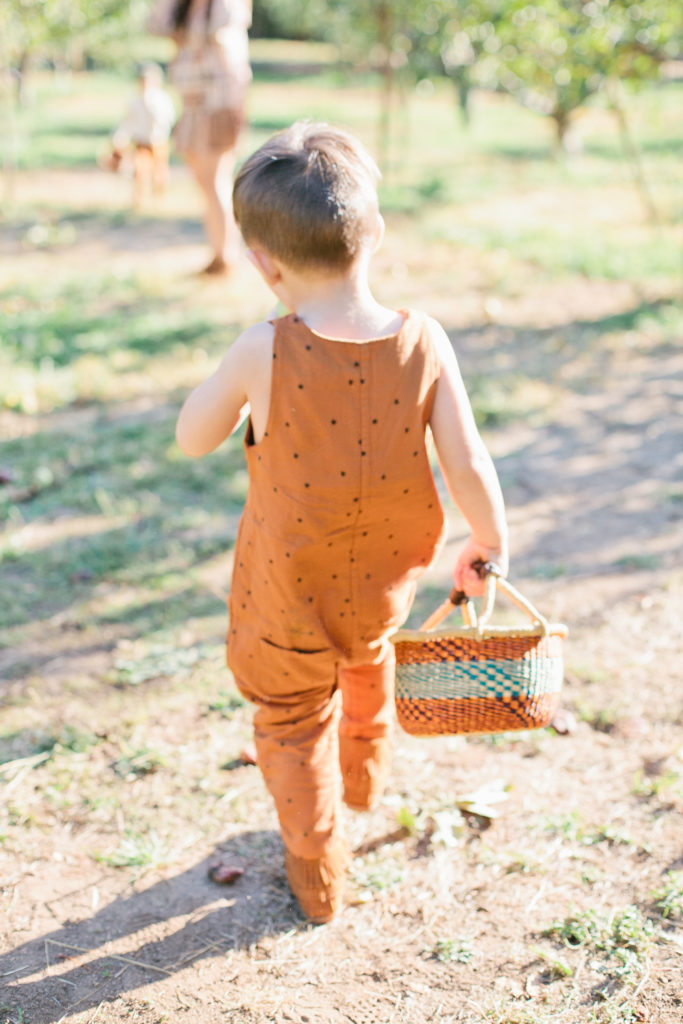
[
  {"x": 468, "y": 470},
  {"x": 217, "y": 407},
  {"x": 124, "y": 131}
]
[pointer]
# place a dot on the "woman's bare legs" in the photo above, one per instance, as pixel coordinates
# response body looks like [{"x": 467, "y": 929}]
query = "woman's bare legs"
[{"x": 213, "y": 172}]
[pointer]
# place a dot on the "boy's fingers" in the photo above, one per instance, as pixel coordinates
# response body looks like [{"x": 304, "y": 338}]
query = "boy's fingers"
[{"x": 473, "y": 585}]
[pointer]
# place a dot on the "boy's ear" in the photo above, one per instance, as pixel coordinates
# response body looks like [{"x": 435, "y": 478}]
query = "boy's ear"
[
  {"x": 266, "y": 265},
  {"x": 379, "y": 232}
]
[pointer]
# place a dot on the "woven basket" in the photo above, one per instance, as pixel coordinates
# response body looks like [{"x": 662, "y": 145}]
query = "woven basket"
[{"x": 478, "y": 678}]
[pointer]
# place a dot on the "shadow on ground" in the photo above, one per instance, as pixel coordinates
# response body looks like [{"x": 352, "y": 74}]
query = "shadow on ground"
[{"x": 259, "y": 904}]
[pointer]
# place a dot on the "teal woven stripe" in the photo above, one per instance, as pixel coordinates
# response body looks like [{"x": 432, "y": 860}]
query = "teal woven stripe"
[{"x": 468, "y": 679}]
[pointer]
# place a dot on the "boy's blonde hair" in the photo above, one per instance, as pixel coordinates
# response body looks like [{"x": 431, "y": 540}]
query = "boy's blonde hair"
[{"x": 308, "y": 196}]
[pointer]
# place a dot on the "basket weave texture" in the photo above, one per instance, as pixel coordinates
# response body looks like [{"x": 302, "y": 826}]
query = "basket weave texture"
[{"x": 478, "y": 680}]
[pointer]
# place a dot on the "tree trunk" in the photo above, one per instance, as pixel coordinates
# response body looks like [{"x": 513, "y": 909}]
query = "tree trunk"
[
  {"x": 464, "y": 88},
  {"x": 20, "y": 79},
  {"x": 562, "y": 119},
  {"x": 631, "y": 150},
  {"x": 385, "y": 35}
]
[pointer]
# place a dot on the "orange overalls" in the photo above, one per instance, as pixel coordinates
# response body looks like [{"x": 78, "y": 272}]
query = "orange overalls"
[{"x": 341, "y": 518}]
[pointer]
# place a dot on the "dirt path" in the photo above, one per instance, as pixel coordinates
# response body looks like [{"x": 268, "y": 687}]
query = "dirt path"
[{"x": 448, "y": 921}]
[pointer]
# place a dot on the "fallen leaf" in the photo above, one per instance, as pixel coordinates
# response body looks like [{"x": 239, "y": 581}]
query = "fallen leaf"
[
  {"x": 448, "y": 828},
  {"x": 481, "y": 800},
  {"x": 224, "y": 874}
]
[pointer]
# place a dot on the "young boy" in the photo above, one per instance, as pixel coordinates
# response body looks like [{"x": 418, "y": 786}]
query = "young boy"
[
  {"x": 342, "y": 514},
  {"x": 145, "y": 132}
]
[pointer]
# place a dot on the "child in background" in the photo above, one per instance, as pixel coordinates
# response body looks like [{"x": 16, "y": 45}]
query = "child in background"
[
  {"x": 145, "y": 133},
  {"x": 342, "y": 514}
]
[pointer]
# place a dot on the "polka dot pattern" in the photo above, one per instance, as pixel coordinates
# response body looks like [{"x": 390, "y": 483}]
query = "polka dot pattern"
[{"x": 342, "y": 514}]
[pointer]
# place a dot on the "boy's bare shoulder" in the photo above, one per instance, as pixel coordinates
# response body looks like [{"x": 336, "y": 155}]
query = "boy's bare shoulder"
[
  {"x": 257, "y": 335},
  {"x": 439, "y": 338},
  {"x": 255, "y": 344}
]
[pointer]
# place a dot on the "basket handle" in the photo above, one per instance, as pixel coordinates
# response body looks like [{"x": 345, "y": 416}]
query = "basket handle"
[
  {"x": 456, "y": 599},
  {"x": 494, "y": 582}
]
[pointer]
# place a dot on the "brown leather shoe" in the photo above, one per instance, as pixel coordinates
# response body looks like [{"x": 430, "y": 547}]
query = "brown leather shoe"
[
  {"x": 319, "y": 884},
  {"x": 365, "y": 767}
]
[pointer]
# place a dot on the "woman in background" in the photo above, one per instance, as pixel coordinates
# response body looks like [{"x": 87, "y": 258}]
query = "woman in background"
[{"x": 211, "y": 74}]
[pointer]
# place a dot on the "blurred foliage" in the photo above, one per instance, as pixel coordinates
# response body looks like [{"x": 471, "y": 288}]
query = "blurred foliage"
[
  {"x": 550, "y": 55},
  {"x": 61, "y": 28},
  {"x": 553, "y": 55}
]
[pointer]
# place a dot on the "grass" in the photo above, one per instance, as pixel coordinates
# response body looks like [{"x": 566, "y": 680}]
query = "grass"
[
  {"x": 617, "y": 948},
  {"x": 577, "y": 250},
  {"x": 668, "y": 897},
  {"x": 573, "y": 829},
  {"x": 453, "y": 950},
  {"x": 136, "y": 851},
  {"x": 66, "y": 341},
  {"x": 619, "y": 944}
]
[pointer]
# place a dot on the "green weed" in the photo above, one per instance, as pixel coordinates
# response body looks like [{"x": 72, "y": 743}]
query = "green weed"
[
  {"x": 70, "y": 737},
  {"x": 454, "y": 950},
  {"x": 134, "y": 763},
  {"x": 30, "y": 743},
  {"x": 13, "y": 1015},
  {"x": 558, "y": 968},
  {"x": 645, "y": 785},
  {"x": 668, "y": 898},
  {"x": 620, "y": 944},
  {"x": 377, "y": 872},
  {"x": 522, "y": 864},
  {"x": 570, "y": 827},
  {"x": 136, "y": 850},
  {"x": 615, "y": 1011},
  {"x": 577, "y": 930},
  {"x": 601, "y": 719}
]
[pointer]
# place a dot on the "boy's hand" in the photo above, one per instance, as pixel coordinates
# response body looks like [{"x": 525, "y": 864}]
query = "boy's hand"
[{"x": 465, "y": 576}]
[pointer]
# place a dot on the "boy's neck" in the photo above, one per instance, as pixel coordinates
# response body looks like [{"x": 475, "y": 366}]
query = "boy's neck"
[{"x": 341, "y": 305}]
